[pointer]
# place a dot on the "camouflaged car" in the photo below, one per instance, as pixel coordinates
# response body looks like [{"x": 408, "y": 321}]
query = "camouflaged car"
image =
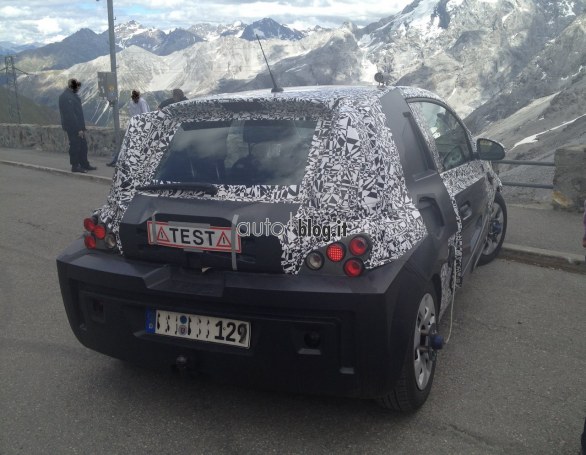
[{"x": 308, "y": 240}]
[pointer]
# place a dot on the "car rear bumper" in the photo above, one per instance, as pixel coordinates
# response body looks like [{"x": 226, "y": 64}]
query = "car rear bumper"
[{"x": 106, "y": 298}]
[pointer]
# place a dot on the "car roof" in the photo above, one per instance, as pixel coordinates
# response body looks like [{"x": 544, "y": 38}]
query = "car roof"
[{"x": 324, "y": 96}]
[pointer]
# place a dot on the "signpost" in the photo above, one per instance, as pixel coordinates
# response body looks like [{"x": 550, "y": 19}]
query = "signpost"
[
  {"x": 111, "y": 80},
  {"x": 107, "y": 85}
]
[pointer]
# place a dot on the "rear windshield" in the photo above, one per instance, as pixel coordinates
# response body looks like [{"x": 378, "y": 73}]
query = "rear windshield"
[{"x": 239, "y": 152}]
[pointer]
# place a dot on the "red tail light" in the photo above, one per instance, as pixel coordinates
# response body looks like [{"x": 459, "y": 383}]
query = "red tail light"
[
  {"x": 335, "y": 252},
  {"x": 100, "y": 232},
  {"x": 90, "y": 242},
  {"x": 89, "y": 224},
  {"x": 358, "y": 245},
  {"x": 353, "y": 267}
]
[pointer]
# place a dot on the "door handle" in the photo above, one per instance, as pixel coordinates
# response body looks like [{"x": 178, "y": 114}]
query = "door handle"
[{"x": 465, "y": 211}]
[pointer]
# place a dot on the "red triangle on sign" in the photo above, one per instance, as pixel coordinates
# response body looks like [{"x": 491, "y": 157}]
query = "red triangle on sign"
[
  {"x": 223, "y": 241},
  {"x": 161, "y": 236}
]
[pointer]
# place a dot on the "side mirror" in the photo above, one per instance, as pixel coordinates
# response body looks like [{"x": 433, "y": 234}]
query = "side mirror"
[{"x": 489, "y": 150}]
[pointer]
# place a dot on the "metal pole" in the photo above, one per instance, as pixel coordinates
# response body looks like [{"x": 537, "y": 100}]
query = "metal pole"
[
  {"x": 115, "y": 111},
  {"x": 12, "y": 94}
]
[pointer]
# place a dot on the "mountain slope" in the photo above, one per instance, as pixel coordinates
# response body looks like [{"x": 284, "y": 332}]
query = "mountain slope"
[
  {"x": 8, "y": 48},
  {"x": 201, "y": 68},
  {"x": 30, "y": 112},
  {"x": 151, "y": 39},
  {"x": 268, "y": 28},
  {"x": 465, "y": 50},
  {"x": 82, "y": 46},
  {"x": 488, "y": 58}
]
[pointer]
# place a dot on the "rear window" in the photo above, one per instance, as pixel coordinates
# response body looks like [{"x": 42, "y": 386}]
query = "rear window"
[{"x": 239, "y": 152}]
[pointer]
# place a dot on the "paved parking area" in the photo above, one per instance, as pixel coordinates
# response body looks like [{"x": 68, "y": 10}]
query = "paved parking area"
[{"x": 511, "y": 380}]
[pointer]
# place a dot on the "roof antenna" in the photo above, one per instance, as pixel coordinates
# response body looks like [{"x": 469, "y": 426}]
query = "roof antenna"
[{"x": 276, "y": 88}]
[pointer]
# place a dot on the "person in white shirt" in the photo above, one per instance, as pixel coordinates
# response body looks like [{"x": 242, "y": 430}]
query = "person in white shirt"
[{"x": 137, "y": 105}]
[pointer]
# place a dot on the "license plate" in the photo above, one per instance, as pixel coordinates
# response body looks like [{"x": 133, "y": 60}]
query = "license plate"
[
  {"x": 192, "y": 236},
  {"x": 196, "y": 327}
]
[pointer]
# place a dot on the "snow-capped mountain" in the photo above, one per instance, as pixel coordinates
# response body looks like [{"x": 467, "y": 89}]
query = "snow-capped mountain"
[
  {"x": 490, "y": 59},
  {"x": 201, "y": 68},
  {"x": 268, "y": 28},
  {"x": 86, "y": 45},
  {"x": 156, "y": 41},
  {"x": 466, "y": 50},
  {"x": 211, "y": 32}
]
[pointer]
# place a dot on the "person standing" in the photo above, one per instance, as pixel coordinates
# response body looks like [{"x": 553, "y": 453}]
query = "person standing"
[
  {"x": 73, "y": 123},
  {"x": 178, "y": 95},
  {"x": 137, "y": 105}
]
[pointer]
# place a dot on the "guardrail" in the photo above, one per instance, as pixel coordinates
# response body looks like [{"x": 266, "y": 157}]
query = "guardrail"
[{"x": 528, "y": 163}]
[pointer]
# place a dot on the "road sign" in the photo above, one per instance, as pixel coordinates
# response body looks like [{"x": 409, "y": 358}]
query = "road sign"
[{"x": 107, "y": 85}]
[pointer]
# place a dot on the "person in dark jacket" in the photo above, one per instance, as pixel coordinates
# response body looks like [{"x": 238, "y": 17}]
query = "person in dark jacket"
[
  {"x": 73, "y": 123},
  {"x": 178, "y": 95}
]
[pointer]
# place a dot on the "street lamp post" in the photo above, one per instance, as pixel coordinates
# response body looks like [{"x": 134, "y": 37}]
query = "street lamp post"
[{"x": 114, "y": 103}]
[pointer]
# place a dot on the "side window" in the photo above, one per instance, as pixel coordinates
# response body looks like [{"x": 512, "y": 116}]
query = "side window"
[{"x": 450, "y": 137}]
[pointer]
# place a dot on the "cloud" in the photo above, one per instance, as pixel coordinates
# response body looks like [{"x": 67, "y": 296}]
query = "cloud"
[
  {"x": 48, "y": 26},
  {"x": 46, "y": 20},
  {"x": 11, "y": 11}
]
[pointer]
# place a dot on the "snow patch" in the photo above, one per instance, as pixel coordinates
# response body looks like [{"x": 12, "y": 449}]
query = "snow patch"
[
  {"x": 505, "y": 17},
  {"x": 534, "y": 138},
  {"x": 579, "y": 71},
  {"x": 567, "y": 8},
  {"x": 453, "y": 4}
]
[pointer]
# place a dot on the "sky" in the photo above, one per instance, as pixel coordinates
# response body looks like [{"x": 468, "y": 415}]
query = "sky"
[{"x": 47, "y": 21}]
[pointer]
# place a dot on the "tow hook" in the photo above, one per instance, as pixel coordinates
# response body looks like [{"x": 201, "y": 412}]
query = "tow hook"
[
  {"x": 185, "y": 366},
  {"x": 181, "y": 363},
  {"x": 433, "y": 342}
]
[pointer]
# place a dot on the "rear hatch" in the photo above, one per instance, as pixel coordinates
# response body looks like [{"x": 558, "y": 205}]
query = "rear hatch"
[{"x": 208, "y": 204}]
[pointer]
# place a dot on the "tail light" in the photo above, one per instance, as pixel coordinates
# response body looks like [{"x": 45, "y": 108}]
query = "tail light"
[
  {"x": 89, "y": 241},
  {"x": 346, "y": 256},
  {"x": 97, "y": 235},
  {"x": 358, "y": 246},
  {"x": 336, "y": 252},
  {"x": 353, "y": 267},
  {"x": 110, "y": 241},
  {"x": 89, "y": 224},
  {"x": 314, "y": 260}
]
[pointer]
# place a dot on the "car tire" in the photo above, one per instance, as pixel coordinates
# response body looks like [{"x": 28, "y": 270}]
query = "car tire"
[
  {"x": 414, "y": 384},
  {"x": 497, "y": 230}
]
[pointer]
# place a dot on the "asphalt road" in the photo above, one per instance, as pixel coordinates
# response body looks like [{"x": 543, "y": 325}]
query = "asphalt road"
[{"x": 511, "y": 380}]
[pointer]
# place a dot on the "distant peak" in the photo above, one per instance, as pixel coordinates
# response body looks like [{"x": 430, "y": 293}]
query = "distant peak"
[{"x": 130, "y": 24}]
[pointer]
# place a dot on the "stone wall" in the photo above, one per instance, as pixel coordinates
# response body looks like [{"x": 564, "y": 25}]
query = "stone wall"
[
  {"x": 569, "y": 181},
  {"x": 52, "y": 138}
]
